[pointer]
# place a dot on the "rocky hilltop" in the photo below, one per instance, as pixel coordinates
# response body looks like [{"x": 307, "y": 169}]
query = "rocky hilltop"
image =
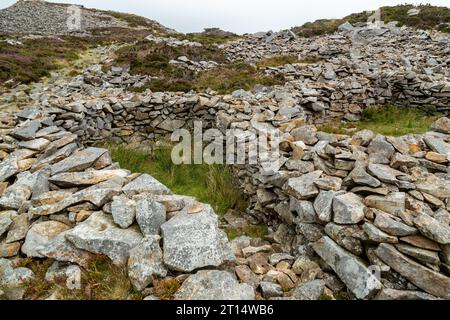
[
  {"x": 46, "y": 18},
  {"x": 364, "y": 216}
]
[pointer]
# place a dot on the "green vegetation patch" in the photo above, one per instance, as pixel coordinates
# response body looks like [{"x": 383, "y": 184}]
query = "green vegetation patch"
[
  {"x": 208, "y": 39},
  {"x": 36, "y": 58},
  {"x": 387, "y": 120},
  {"x": 146, "y": 58},
  {"x": 430, "y": 17},
  {"x": 212, "y": 184},
  {"x": 101, "y": 280}
]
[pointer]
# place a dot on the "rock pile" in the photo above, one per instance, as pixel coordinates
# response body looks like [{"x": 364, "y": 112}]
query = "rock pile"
[{"x": 173, "y": 42}]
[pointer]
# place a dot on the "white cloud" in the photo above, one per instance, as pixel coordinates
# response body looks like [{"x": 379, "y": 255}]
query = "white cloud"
[{"x": 238, "y": 15}]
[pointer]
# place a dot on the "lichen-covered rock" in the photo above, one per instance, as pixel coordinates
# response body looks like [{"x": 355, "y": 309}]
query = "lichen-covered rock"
[
  {"x": 41, "y": 234},
  {"x": 145, "y": 184},
  {"x": 193, "y": 241},
  {"x": 348, "y": 209},
  {"x": 145, "y": 262},
  {"x": 214, "y": 285},
  {"x": 150, "y": 215},
  {"x": 123, "y": 211},
  {"x": 100, "y": 235}
]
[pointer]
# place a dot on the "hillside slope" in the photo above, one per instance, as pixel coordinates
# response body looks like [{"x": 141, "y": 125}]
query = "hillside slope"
[
  {"x": 41, "y": 17},
  {"x": 425, "y": 17}
]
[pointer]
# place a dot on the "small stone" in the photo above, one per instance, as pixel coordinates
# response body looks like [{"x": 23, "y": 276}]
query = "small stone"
[
  {"x": 123, "y": 211},
  {"x": 303, "y": 187},
  {"x": 270, "y": 290},
  {"x": 432, "y": 229},
  {"x": 309, "y": 291},
  {"x": 150, "y": 215},
  {"x": 348, "y": 209}
]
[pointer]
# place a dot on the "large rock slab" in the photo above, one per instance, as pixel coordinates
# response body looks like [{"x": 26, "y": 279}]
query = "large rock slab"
[
  {"x": 432, "y": 228},
  {"x": 193, "y": 241},
  {"x": 145, "y": 184},
  {"x": 41, "y": 234},
  {"x": 303, "y": 187},
  {"x": 78, "y": 161},
  {"x": 214, "y": 285},
  {"x": 352, "y": 271},
  {"x": 100, "y": 235},
  {"x": 86, "y": 178},
  {"x": 426, "y": 279},
  {"x": 145, "y": 262}
]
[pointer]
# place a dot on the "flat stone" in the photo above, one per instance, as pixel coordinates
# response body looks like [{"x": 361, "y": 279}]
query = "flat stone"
[
  {"x": 380, "y": 151},
  {"x": 27, "y": 131},
  {"x": 348, "y": 237},
  {"x": 6, "y": 220},
  {"x": 377, "y": 235},
  {"x": 193, "y": 241},
  {"x": 36, "y": 144},
  {"x": 86, "y": 178},
  {"x": 357, "y": 277},
  {"x": 329, "y": 183},
  {"x": 323, "y": 205},
  {"x": 145, "y": 263},
  {"x": 434, "y": 186},
  {"x": 307, "y": 134},
  {"x": 214, "y": 285},
  {"x": 348, "y": 209},
  {"x": 441, "y": 125},
  {"x": 394, "y": 203},
  {"x": 8, "y": 168},
  {"x": 18, "y": 229},
  {"x": 422, "y": 255},
  {"x": 391, "y": 225},
  {"x": 145, "y": 184},
  {"x": 426, "y": 279},
  {"x": 99, "y": 235},
  {"x": 61, "y": 249},
  {"x": 360, "y": 176},
  {"x": 9, "y": 249},
  {"x": 304, "y": 210},
  {"x": 41, "y": 234},
  {"x": 150, "y": 215},
  {"x": 303, "y": 187},
  {"x": 123, "y": 211},
  {"x": 270, "y": 289},
  {"x": 309, "y": 291},
  {"x": 78, "y": 161},
  {"x": 421, "y": 242},
  {"x": 432, "y": 228},
  {"x": 392, "y": 294},
  {"x": 437, "y": 145}
]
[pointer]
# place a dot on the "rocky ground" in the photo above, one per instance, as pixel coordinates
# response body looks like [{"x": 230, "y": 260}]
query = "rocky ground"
[{"x": 357, "y": 217}]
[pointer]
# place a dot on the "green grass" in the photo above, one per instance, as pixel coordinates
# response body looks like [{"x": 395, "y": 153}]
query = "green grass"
[
  {"x": 212, "y": 184},
  {"x": 430, "y": 17},
  {"x": 387, "y": 120},
  {"x": 101, "y": 280},
  {"x": 256, "y": 231},
  {"x": 206, "y": 39}
]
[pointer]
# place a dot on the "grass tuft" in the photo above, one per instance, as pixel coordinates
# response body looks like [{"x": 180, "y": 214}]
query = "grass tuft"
[
  {"x": 165, "y": 289},
  {"x": 212, "y": 184},
  {"x": 387, "y": 120}
]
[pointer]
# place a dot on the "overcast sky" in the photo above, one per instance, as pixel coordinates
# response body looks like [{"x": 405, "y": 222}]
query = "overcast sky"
[{"x": 240, "y": 16}]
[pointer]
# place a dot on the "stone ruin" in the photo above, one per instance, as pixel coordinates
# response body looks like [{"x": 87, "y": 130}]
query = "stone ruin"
[{"x": 364, "y": 213}]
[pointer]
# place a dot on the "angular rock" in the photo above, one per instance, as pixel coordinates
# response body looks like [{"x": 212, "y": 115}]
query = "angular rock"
[
  {"x": 389, "y": 224},
  {"x": 78, "y": 161},
  {"x": 348, "y": 209},
  {"x": 145, "y": 263},
  {"x": 432, "y": 229},
  {"x": 41, "y": 234},
  {"x": 430, "y": 281},
  {"x": 150, "y": 215},
  {"x": 8, "y": 168},
  {"x": 303, "y": 187},
  {"x": 123, "y": 211},
  {"x": 86, "y": 178},
  {"x": 193, "y": 241},
  {"x": 377, "y": 235},
  {"x": 422, "y": 255},
  {"x": 214, "y": 285},
  {"x": 394, "y": 203},
  {"x": 309, "y": 291},
  {"x": 357, "y": 277},
  {"x": 145, "y": 184},
  {"x": 99, "y": 235},
  {"x": 270, "y": 289}
]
